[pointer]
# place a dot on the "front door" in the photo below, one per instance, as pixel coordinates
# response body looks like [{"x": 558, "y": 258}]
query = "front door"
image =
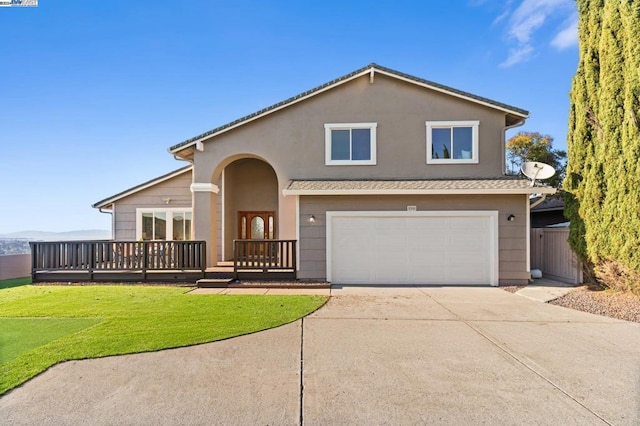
[{"x": 256, "y": 225}]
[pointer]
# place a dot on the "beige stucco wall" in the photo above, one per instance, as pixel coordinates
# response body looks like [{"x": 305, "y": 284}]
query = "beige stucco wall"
[
  {"x": 292, "y": 141},
  {"x": 177, "y": 188},
  {"x": 512, "y": 241}
]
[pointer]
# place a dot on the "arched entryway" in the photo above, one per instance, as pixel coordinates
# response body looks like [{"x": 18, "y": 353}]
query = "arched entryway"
[{"x": 249, "y": 203}]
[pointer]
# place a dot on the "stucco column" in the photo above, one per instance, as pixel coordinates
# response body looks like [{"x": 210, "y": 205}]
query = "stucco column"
[
  {"x": 205, "y": 197},
  {"x": 287, "y": 216}
]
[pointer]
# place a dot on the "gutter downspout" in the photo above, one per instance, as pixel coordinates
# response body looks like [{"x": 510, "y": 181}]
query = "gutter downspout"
[
  {"x": 113, "y": 237},
  {"x": 540, "y": 201},
  {"x": 175, "y": 157}
]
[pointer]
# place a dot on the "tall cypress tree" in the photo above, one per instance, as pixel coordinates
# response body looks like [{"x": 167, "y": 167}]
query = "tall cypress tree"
[{"x": 603, "y": 170}]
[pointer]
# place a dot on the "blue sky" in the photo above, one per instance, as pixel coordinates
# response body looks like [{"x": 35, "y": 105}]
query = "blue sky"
[{"x": 93, "y": 93}]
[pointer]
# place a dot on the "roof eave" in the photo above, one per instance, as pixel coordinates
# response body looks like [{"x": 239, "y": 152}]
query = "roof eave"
[
  {"x": 109, "y": 201},
  {"x": 339, "y": 81},
  {"x": 470, "y": 191}
]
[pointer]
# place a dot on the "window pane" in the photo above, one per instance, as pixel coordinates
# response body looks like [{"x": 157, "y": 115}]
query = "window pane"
[
  {"x": 462, "y": 145},
  {"x": 340, "y": 145},
  {"x": 270, "y": 227},
  {"x": 160, "y": 222},
  {"x": 187, "y": 225},
  {"x": 361, "y": 144},
  {"x": 178, "y": 226},
  {"x": 257, "y": 228},
  {"x": 243, "y": 228},
  {"x": 147, "y": 226},
  {"x": 440, "y": 143}
]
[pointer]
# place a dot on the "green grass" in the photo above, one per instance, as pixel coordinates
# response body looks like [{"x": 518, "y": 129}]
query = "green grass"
[
  {"x": 15, "y": 282},
  {"x": 19, "y": 335},
  {"x": 96, "y": 321}
]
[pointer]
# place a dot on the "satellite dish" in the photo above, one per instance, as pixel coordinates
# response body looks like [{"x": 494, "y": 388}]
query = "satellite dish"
[{"x": 535, "y": 170}]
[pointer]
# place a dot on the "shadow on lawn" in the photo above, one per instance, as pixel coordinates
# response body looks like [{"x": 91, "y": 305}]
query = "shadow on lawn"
[{"x": 15, "y": 282}]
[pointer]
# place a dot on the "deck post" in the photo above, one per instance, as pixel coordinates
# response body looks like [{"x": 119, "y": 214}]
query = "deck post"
[
  {"x": 294, "y": 259},
  {"x": 203, "y": 258},
  {"x": 145, "y": 252},
  {"x": 235, "y": 260},
  {"x": 92, "y": 259},
  {"x": 33, "y": 261}
]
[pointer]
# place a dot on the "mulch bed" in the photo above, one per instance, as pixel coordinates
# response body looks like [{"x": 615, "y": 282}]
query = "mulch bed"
[{"x": 624, "y": 306}]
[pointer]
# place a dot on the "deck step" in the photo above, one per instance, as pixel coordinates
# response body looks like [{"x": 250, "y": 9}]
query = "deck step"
[{"x": 213, "y": 282}]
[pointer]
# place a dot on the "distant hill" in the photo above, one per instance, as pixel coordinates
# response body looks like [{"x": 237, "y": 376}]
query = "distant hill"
[{"x": 87, "y": 234}]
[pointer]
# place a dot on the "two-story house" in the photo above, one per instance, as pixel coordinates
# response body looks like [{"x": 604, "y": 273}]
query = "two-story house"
[{"x": 381, "y": 177}]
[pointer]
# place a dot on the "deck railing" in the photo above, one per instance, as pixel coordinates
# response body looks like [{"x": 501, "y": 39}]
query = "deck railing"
[
  {"x": 264, "y": 256},
  {"x": 112, "y": 256}
]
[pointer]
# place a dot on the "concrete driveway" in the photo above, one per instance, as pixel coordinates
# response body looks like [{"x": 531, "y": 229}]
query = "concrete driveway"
[{"x": 370, "y": 356}]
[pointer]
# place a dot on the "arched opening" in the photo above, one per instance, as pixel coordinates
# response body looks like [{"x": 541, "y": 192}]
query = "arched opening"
[{"x": 249, "y": 203}]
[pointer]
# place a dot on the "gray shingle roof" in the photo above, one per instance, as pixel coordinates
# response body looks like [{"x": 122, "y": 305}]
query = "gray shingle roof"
[
  {"x": 551, "y": 203},
  {"x": 503, "y": 184},
  {"x": 374, "y": 66}
]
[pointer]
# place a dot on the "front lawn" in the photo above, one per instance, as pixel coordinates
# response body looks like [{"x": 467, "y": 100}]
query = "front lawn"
[
  {"x": 15, "y": 282},
  {"x": 42, "y": 326}
]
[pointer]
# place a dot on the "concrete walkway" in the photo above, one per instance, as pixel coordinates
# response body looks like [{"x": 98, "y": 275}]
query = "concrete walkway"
[
  {"x": 370, "y": 356},
  {"x": 545, "y": 290},
  {"x": 265, "y": 291}
]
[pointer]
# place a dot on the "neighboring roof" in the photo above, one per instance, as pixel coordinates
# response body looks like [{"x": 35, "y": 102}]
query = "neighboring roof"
[
  {"x": 559, "y": 225},
  {"x": 127, "y": 192},
  {"x": 550, "y": 204},
  {"x": 413, "y": 186},
  {"x": 371, "y": 68}
]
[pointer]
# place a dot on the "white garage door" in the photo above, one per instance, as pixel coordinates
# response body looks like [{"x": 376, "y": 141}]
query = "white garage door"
[{"x": 453, "y": 247}]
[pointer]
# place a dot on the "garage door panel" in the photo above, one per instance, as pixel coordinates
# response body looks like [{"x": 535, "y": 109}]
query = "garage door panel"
[
  {"x": 430, "y": 249},
  {"x": 418, "y": 275}
]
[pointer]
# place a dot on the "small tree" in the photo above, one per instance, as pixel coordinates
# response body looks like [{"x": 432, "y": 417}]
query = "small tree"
[{"x": 534, "y": 146}]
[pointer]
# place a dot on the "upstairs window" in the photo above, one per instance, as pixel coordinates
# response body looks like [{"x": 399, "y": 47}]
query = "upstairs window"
[
  {"x": 350, "y": 144},
  {"x": 450, "y": 142},
  {"x": 163, "y": 224}
]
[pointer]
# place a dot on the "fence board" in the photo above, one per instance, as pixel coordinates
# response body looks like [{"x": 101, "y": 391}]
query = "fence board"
[{"x": 551, "y": 253}]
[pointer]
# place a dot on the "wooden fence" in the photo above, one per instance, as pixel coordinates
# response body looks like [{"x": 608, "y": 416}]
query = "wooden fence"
[
  {"x": 551, "y": 253},
  {"x": 117, "y": 260}
]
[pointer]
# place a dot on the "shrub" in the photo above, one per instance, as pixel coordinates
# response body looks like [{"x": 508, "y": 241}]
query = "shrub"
[{"x": 617, "y": 277}]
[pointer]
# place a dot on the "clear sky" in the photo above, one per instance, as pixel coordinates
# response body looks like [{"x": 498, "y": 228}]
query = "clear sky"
[{"x": 92, "y": 93}]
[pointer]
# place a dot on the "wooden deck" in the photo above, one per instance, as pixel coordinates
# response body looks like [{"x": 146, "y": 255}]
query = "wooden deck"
[{"x": 158, "y": 261}]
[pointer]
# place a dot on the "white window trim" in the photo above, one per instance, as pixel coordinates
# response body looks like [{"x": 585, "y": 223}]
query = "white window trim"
[
  {"x": 169, "y": 212},
  {"x": 474, "y": 124},
  {"x": 328, "y": 127}
]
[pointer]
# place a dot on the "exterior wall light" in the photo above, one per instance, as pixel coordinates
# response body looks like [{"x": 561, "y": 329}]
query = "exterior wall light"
[
  {"x": 511, "y": 218},
  {"x": 312, "y": 218}
]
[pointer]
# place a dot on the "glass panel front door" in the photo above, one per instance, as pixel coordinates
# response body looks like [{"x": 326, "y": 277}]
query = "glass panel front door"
[{"x": 256, "y": 225}]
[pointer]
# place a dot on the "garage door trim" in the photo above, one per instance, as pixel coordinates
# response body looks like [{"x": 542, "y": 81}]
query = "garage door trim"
[{"x": 491, "y": 214}]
